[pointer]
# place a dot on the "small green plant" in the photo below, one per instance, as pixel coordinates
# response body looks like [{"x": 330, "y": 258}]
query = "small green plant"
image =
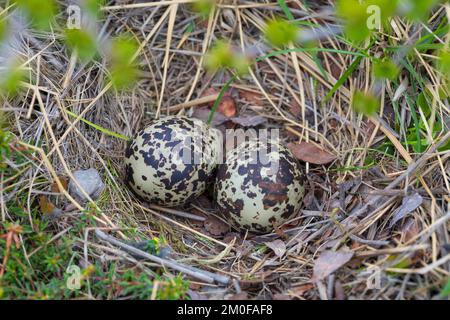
[
  {"x": 123, "y": 71},
  {"x": 385, "y": 69},
  {"x": 281, "y": 33},
  {"x": 222, "y": 55},
  {"x": 446, "y": 290},
  {"x": 40, "y": 12},
  {"x": 82, "y": 42},
  {"x": 365, "y": 103},
  {"x": 203, "y": 7}
]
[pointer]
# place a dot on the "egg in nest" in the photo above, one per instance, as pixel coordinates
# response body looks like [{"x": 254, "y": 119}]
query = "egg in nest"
[
  {"x": 170, "y": 161},
  {"x": 259, "y": 186}
]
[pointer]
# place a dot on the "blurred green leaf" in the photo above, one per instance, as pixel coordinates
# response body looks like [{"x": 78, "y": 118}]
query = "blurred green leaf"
[
  {"x": 124, "y": 73},
  {"x": 11, "y": 78},
  {"x": 446, "y": 290},
  {"x": 94, "y": 6},
  {"x": 280, "y": 32},
  {"x": 203, "y": 7},
  {"x": 354, "y": 16},
  {"x": 387, "y": 8},
  {"x": 81, "y": 42},
  {"x": 444, "y": 62},
  {"x": 385, "y": 69},
  {"x": 3, "y": 29},
  {"x": 221, "y": 55},
  {"x": 418, "y": 9},
  {"x": 365, "y": 103},
  {"x": 40, "y": 12}
]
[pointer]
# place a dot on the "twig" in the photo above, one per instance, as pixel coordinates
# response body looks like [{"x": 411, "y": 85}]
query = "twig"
[{"x": 206, "y": 276}]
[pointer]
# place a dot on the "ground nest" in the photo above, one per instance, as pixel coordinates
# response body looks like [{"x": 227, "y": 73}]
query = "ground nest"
[{"x": 374, "y": 222}]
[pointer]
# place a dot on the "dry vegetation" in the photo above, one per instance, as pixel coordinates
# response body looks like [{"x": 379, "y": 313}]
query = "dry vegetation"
[{"x": 350, "y": 204}]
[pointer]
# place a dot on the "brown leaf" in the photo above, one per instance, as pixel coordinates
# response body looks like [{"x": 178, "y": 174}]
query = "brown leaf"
[
  {"x": 56, "y": 189},
  {"x": 238, "y": 296},
  {"x": 203, "y": 114},
  {"x": 47, "y": 207},
  {"x": 330, "y": 261},
  {"x": 254, "y": 98},
  {"x": 409, "y": 204},
  {"x": 295, "y": 109},
  {"x": 409, "y": 230},
  {"x": 301, "y": 290},
  {"x": 227, "y": 107},
  {"x": 215, "y": 226},
  {"x": 309, "y": 152},
  {"x": 249, "y": 121},
  {"x": 278, "y": 247}
]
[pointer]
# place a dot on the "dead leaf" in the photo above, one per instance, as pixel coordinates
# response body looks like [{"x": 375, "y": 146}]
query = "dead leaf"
[
  {"x": 227, "y": 107},
  {"x": 295, "y": 109},
  {"x": 249, "y": 121},
  {"x": 238, "y": 296},
  {"x": 254, "y": 98},
  {"x": 56, "y": 189},
  {"x": 233, "y": 235},
  {"x": 409, "y": 230},
  {"x": 330, "y": 261},
  {"x": 309, "y": 152},
  {"x": 203, "y": 114},
  {"x": 215, "y": 226},
  {"x": 409, "y": 204},
  {"x": 278, "y": 247},
  {"x": 301, "y": 290},
  {"x": 339, "y": 291},
  {"x": 47, "y": 207}
]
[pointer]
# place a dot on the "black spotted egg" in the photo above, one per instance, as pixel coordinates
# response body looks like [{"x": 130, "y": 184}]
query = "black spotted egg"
[
  {"x": 170, "y": 161},
  {"x": 259, "y": 186}
]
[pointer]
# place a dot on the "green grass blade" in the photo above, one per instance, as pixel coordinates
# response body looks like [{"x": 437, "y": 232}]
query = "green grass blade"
[
  {"x": 285, "y": 9},
  {"x": 100, "y": 128},
  {"x": 343, "y": 78}
]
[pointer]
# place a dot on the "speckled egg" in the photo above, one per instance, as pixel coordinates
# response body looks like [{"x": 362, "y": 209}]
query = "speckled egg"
[
  {"x": 170, "y": 161},
  {"x": 259, "y": 186}
]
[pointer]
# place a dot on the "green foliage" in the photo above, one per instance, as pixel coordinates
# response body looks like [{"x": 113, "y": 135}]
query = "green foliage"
[
  {"x": 419, "y": 9},
  {"x": 5, "y": 139},
  {"x": 446, "y": 290},
  {"x": 222, "y": 55},
  {"x": 387, "y": 8},
  {"x": 354, "y": 16},
  {"x": 203, "y": 7},
  {"x": 385, "y": 69},
  {"x": 82, "y": 42},
  {"x": 3, "y": 28},
  {"x": 153, "y": 246},
  {"x": 365, "y": 103},
  {"x": 40, "y": 12},
  {"x": 280, "y": 33},
  {"x": 43, "y": 273},
  {"x": 93, "y": 6},
  {"x": 11, "y": 78},
  {"x": 123, "y": 71},
  {"x": 444, "y": 62},
  {"x": 360, "y": 18}
]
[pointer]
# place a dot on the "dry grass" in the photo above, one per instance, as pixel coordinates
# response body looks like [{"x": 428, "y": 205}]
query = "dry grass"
[{"x": 413, "y": 255}]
